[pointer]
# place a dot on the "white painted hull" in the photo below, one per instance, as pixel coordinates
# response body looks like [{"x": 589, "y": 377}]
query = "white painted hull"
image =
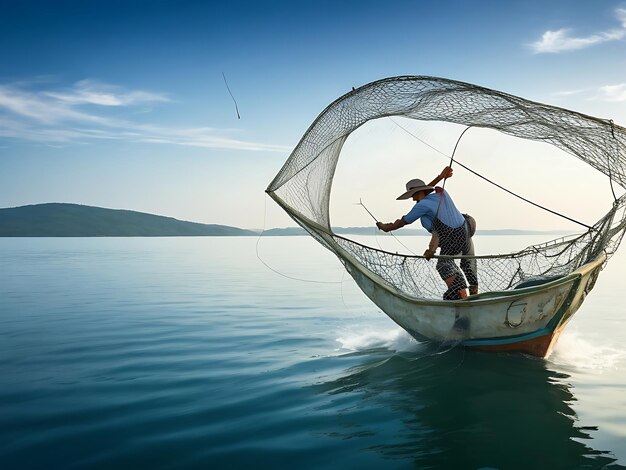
[{"x": 527, "y": 320}]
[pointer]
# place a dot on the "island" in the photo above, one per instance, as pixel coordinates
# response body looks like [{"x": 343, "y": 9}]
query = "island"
[{"x": 75, "y": 220}]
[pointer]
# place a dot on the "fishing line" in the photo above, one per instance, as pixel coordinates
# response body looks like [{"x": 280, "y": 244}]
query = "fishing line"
[
  {"x": 360, "y": 203},
  {"x": 343, "y": 300},
  {"x": 443, "y": 186},
  {"x": 490, "y": 181},
  {"x": 376, "y": 230},
  {"x": 274, "y": 270},
  {"x": 460, "y": 363},
  {"x": 231, "y": 95}
]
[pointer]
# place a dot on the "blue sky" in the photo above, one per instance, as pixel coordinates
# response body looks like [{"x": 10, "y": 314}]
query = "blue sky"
[{"x": 122, "y": 104}]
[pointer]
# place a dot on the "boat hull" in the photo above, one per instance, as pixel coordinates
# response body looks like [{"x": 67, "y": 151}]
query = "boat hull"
[
  {"x": 527, "y": 320},
  {"x": 541, "y": 346}
]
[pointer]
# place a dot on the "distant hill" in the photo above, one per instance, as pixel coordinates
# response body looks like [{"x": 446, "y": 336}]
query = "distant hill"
[
  {"x": 74, "y": 220},
  {"x": 291, "y": 231}
]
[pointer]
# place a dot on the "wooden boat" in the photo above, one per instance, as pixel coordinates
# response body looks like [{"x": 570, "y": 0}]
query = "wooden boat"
[
  {"x": 527, "y": 319},
  {"x": 527, "y": 297}
]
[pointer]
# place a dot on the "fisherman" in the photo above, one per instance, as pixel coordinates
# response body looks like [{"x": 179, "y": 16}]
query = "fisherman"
[{"x": 451, "y": 230}]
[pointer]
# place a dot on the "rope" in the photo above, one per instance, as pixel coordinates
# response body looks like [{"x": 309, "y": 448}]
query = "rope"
[
  {"x": 457, "y": 144},
  {"x": 609, "y": 157},
  {"x": 360, "y": 203},
  {"x": 443, "y": 186},
  {"x": 276, "y": 271},
  {"x": 590, "y": 228},
  {"x": 231, "y": 95}
]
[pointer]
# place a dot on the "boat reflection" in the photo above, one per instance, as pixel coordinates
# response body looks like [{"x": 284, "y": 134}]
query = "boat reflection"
[{"x": 465, "y": 409}]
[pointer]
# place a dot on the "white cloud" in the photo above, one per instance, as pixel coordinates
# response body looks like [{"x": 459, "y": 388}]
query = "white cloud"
[
  {"x": 39, "y": 107},
  {"x": 621, "y": 16},
  {"x": 93, "y": 92},
  {"x": 68, "y": 116},
  {"x": 561, "y": 40},
  {"x": 570, "y": 92},
  {"x": 612, "y": 93}
]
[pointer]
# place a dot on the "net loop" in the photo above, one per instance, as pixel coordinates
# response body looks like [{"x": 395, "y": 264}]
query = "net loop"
[{"x": 303, "y": 185}]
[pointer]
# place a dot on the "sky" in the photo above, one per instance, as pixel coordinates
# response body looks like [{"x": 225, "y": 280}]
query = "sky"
[{"x": 126, "y": 104}]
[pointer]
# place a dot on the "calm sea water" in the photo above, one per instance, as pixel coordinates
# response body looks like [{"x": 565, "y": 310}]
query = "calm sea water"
[{"x": 188, "y": 352}]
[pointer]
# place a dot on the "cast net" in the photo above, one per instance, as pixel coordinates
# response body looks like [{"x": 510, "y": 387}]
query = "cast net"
[{"x": 303, "y": 185}]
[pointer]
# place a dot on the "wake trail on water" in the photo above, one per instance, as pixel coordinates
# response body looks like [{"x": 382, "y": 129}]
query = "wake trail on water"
[
  {"x": 393, "y": 339},
  {"x": 572, "y": 350},
  {"x": 575, "y": 351}
]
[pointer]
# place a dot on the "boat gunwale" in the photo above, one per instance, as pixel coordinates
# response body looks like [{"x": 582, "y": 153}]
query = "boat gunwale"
[{"x": 484, "y": 298}]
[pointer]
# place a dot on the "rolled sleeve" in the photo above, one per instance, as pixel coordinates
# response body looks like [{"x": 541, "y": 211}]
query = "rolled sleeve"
[
  {"x": 417, "y": 212},
  {"x": 425, "y": 211}
]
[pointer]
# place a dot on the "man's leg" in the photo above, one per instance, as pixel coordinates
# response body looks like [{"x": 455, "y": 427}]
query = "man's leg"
[
  {"x": 452, "y": 243},
  {"x": 456, "y": 285},
  {"x": 453, "y": 277},
  {"x": 469, "y": 267}
]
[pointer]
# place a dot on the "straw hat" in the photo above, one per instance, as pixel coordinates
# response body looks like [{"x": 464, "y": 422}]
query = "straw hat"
[{"x": 415, "y": 186}]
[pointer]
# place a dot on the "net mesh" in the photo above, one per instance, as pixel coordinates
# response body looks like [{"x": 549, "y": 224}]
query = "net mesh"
[{"x": 302, "y": 187}]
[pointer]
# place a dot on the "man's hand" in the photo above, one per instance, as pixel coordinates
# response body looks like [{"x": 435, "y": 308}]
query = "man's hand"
[
  {"x": 391, "y": 226},
  {"x": 447, "y": 172},
  {"x": 428, "y": 254}
]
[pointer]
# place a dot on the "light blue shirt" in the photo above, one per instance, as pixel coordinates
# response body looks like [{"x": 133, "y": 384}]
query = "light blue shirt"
[{"x": 426, "y": 209}]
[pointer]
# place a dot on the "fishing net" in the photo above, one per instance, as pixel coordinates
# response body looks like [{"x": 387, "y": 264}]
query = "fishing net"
[{"x": 303, "y": 185}]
